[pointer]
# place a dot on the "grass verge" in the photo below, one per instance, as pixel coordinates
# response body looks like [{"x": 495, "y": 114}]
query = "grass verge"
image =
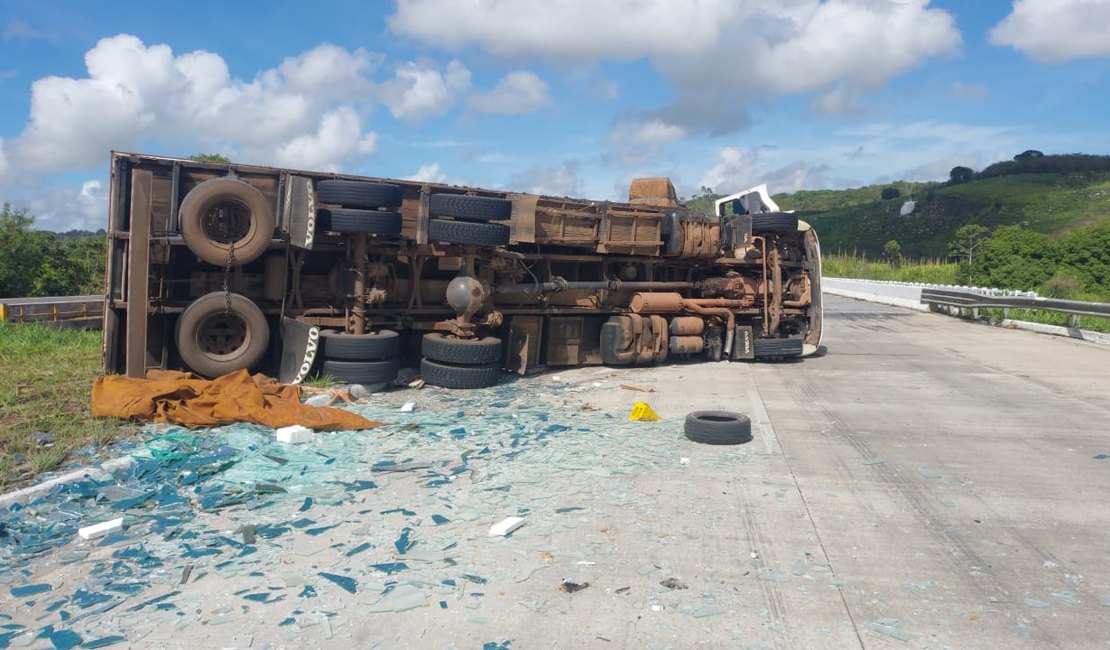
[
  {"x": 46, "y": 375},
  {"x": 852, "y": 266}
]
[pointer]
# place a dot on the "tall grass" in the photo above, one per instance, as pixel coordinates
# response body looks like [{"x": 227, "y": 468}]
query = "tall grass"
[
  {"x": 854, "y": 266},
  {"x": 45, "y": 379}
]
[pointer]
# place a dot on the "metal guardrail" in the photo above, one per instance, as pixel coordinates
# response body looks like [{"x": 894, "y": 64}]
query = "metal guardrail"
[
  {"x": 83, "y": 311},
  {"x": 975, "y": 300}
]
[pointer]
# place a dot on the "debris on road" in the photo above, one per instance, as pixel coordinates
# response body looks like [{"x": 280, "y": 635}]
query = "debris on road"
[
  {"x": 571, "y": 587},
  {"x": 101, "y": 529},
  {"x": 639, "y": 388},
  {"x": 293, "y": 435},
  {"x": 641, "y": 412},
  {"x": 673, "y": 583},
  {"x": 505, "y": 527}
]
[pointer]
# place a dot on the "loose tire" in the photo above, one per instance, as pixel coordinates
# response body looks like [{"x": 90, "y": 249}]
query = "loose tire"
[
  {"x": 223, "y": 215},
  {"x": 466, "y": 232},
  {"x": 442, "y": 347},
  {"x": 718, "y": 427},
  {"x": 472, "y": 208},
  {"x": 451, "y": 376},
  {"x": 363, "y": 221},
  {"x": 359, "y": 194},
  {"x": 774, "y": 222},
  {"x": 214, "y": 341},
  {"x": 777, "y": 348},
  {"x": 361, "y": 372},
  {"x": 383, "y": 344}
]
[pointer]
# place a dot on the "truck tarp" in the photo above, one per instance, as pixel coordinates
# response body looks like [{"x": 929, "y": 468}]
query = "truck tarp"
[{"x": 179, "y": 398}]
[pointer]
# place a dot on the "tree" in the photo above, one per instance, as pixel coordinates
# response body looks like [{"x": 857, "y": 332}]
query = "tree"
[
  {"x": 967, "y": 239},
  {"x": 1029, "y": 154},
  {"x": 21, "y": 252},
  {"x": 891, "y": 193},
  {"x": 892, "y": 251},
  {"x": 960, "y": 174},
  {"x": 210, "y": 157},
  {"x": 1016, "y": 258}
]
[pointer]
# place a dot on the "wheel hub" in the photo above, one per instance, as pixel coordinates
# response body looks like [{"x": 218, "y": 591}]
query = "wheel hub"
[{"x": 222, "y": 335}]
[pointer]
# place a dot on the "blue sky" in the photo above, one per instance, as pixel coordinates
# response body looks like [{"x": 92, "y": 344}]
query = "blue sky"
[{"x": 567, "y": 97}]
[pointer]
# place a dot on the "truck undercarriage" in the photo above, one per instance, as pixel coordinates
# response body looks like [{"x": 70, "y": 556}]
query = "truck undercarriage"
[{"x": 214, "y": 268}]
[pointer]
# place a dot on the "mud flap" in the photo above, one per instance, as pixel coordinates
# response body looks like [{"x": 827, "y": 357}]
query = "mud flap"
[
  {"x": 299, "y": 212},
  {"x": 743, "y": 346},
  {"x": 299, "y": 343}
]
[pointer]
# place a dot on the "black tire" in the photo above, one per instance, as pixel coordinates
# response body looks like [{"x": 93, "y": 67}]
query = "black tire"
[
  {"x": 361, "y": 372},
  {"x": 777, "y": 348},
  {"x": 383, "y": 344},
  {"x": 449, "y": 376},
  {"x": 359, "y": 194},
  {"x": 774, "y": 222},
  {"x": 223, "y": 217},
  {"x": 718, "y": 427},
  {"x": 442, "y": 347},
  {"x": 472, "y": 208},
  {"x": 213, "y": 341},
  {"x": 365, "y": 221},
  {"x": 466, "y": 232}
]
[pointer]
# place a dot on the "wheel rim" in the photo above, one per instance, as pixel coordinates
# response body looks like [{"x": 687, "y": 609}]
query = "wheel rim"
[
  {"x": 227, "y": 222},
  {"x": 223, "y": 336}
]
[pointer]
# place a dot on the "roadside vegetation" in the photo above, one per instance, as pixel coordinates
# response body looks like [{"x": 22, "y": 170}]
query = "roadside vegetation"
[{"x": 45, "y": 378}]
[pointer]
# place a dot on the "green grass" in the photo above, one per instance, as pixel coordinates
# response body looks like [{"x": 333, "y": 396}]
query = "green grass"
[
  {"x": 852, "y": 266},
  {"x": 858, "y": 220},
  {"x": 46, "y": 376}
]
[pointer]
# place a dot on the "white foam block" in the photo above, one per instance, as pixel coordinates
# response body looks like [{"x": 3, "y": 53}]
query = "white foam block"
[
  {"x": 295, "y": 434},
  {"x": 506, "y": 526},
  {"x": 409, "y": 406},
  {"x": 101, "y": 529}
]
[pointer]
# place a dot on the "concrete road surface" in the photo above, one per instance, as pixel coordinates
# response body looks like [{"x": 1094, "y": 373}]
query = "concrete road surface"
[{"x": 927, "y": 483}]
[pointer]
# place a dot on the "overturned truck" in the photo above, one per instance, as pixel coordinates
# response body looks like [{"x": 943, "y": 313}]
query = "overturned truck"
[{"x": 216, "y": 267}]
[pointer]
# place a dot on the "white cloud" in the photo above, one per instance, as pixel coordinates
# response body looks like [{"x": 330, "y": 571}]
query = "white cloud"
[
  {"x": 69, "y": 208},
  {"x": 338, "y": 137},
  {"x": 517, "y": 93},
  {"x": 742, "y": 53},
  {"x": 308, "y": 111},
  {"x": 970, "y": 90},
  {"x": 1054, "y": 31},
  {"x": 560, "y": 180},
  {"x": 636, "y": 143},
  {"x": 420, "y": 91},
  {"x": 429, "y": 173},
  {"x": 17, "y": 29},
  {"x": 737, "y": 169}
]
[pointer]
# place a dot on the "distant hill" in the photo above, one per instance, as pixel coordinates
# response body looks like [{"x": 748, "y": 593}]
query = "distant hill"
[{"x": 1047, "y": 194}]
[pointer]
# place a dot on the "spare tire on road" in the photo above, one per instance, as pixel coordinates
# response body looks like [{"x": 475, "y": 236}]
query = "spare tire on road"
[{"x": 718, "y": 427}]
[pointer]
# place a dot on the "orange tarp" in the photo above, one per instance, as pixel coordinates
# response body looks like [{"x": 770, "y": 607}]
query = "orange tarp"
[{"x": 179, "y": 398}]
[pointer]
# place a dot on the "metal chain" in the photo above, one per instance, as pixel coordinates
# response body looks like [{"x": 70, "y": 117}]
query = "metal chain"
[{"x": 227, "y": 274}]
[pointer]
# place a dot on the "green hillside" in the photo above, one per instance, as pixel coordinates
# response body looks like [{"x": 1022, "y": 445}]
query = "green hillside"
[{"x": 859, "y": 220}]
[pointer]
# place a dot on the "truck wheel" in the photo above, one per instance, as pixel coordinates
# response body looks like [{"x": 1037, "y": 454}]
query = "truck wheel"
[
  {"x": 451, "y": 376},
  {"x": 383, "y": 344},
  {"x": 364, "y": 221},
  {"x": 442, "y": 347},
  {"x": 359, "y": 194},
  {"x": 361, "y": 372},
  {"x": 771, "y": 349},
  {"x": 718, "y": 427},
  {"x": 214, "y": 340},
  {"x": 466, "y": 232},
  {"x": 774, "y": 222},
  {"x": 472, "y": 208},
  {"x": 223, "y": 215}
]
